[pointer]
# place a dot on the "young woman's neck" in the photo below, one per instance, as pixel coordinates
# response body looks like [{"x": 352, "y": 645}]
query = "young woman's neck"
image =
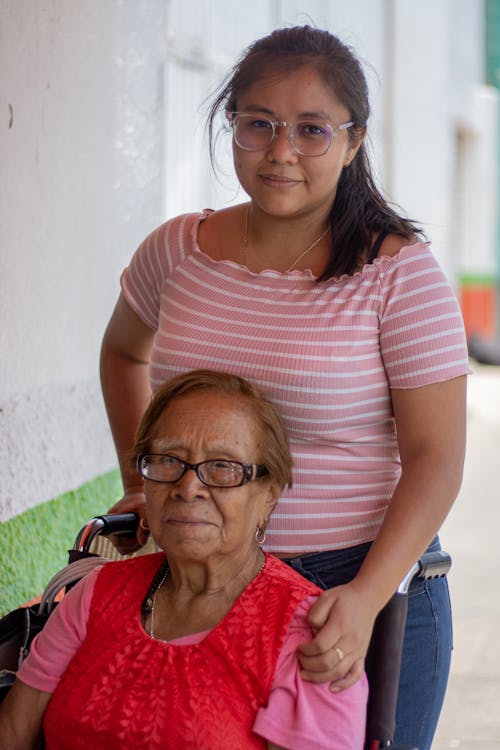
[{"x": 284, "y": 242}]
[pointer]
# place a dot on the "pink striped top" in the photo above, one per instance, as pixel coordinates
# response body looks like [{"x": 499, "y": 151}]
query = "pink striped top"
[{"x": 326, "y": 354}]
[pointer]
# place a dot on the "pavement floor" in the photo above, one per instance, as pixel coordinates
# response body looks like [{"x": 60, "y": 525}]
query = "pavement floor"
[{"x": 471, "y": 715}]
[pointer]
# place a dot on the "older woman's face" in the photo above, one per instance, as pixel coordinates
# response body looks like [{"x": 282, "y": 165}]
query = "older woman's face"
[{"x": 188, "y": 519}]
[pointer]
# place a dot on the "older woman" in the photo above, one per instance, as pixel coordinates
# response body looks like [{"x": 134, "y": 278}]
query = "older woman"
[{"x": 193, "y": 647}]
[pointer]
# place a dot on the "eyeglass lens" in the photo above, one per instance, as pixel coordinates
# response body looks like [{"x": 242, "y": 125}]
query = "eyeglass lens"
[
  {"x": 218, "y": 473},
  {"x": 308, "y": 137}
]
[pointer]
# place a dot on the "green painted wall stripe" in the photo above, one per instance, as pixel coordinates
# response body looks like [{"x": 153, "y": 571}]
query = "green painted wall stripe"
[
  {"x": 34, "y": 545},
  {"x": 470, "y": 279}
]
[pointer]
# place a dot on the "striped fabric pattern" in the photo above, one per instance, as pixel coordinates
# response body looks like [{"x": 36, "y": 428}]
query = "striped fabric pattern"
[{"x": 326, "y": 354}]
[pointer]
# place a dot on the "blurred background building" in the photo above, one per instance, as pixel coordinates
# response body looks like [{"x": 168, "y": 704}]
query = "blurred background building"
[
  {"x": 102, "y": 139},
  {"x": 479, "y": 267}
]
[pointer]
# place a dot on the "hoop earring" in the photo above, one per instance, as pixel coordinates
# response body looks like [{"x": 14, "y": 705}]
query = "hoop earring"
[
  {"x": 260, "y": 534},
  {"x": 143, "y": 525}
]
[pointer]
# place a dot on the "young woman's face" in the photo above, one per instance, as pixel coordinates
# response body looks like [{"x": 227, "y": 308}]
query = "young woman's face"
[{"x": 280, "y": 181}]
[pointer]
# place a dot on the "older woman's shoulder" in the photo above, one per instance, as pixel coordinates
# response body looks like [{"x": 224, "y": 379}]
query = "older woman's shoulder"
[{"x": 142, "y": 565}]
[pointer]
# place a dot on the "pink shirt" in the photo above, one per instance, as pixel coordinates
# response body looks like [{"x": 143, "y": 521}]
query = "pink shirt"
[
  {"x": 298, "y": 714},
  {"x": 326, "y": 354}
]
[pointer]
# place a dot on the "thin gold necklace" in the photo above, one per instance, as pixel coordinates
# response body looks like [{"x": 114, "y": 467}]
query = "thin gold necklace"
[
  {"x": 152, "y": 601},
  {"x": 299, "y": 257},
  {"x": 151, "y": 624}
]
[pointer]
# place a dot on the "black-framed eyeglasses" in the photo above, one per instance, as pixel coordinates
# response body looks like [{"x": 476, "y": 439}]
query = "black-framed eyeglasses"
[
  {"x": 219, "y": 472},
  {"x": 308, "y": 137}
]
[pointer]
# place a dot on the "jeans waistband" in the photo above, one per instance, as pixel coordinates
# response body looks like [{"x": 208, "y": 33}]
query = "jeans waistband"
[
  {"x": 336, "y": 567},
  {"x": 346, "y": 554}
]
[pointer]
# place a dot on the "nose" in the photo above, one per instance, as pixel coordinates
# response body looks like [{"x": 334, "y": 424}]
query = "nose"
[
  {"x": 281, "y": 150},
  {"x": 189, "y": 487}
]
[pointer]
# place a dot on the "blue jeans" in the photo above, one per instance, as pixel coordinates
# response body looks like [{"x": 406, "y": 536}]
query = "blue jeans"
[{"x": 427, "y": 642}]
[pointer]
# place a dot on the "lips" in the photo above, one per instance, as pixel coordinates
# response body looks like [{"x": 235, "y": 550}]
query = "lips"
[
  {"x": 275, "y": 180},
  {"x": 187, "y": 522}
]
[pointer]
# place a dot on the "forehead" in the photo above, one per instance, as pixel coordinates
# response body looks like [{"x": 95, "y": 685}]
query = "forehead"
[
  {"x": 209, "y": 414},
  {"x": 304, "y": 89}
]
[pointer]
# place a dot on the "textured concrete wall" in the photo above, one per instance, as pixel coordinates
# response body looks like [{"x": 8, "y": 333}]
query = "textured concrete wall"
[{"x": 81, "y": 185}]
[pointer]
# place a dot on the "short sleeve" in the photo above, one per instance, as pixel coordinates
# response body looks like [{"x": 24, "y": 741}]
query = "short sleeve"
[
  {"x": 302, "y": 714},
  {"x": 153, "y": 262},
  {"x": 61, "y": 637},
  {"x": 422, "y": 335}
]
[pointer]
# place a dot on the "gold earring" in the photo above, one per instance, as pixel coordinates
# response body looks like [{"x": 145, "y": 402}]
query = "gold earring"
[{"x": 260, "y": 534}]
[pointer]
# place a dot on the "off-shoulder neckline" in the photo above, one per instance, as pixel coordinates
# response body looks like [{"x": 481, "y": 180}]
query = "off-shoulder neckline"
[{"x": 305, "y": 273}]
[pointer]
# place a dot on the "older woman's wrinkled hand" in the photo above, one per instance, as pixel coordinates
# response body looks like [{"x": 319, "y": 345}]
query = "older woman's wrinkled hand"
[{"x": 343, "y": 621}]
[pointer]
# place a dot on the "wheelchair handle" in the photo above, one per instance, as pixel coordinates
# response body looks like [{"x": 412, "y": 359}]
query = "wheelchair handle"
[
  {"x": 111, "y": 523},
  {"x": 431, "y": 565},
  {"x": 434, "y": 564}
]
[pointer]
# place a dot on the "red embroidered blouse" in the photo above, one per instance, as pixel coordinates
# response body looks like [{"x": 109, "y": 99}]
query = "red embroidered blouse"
[{"x": 124, "y": 689}]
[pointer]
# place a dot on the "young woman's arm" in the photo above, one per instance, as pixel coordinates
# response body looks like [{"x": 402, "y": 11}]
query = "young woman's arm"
[
  {"x": 431, "y": 423},
  {"x": 125, "y": 354},
  {"x": 21, "y": 717}
]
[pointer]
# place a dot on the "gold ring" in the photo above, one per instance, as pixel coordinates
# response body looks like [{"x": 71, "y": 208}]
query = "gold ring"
[
  {"x": 339, "y": 653},
  {"x": 143, "y": 525}
]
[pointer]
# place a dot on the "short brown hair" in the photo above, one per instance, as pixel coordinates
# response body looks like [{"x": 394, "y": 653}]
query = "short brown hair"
[{"x": 276, "y": 450}]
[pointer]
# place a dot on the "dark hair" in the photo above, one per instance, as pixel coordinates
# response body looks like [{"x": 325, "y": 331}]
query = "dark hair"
[
  {"x": 359, "y": 209},
  {"x": 276, "y": 456}
]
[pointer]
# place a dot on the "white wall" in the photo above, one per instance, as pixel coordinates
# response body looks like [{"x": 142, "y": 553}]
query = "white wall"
[
  {"x": 106, "y": 140},
  {"x": 82, "y": 84},
  {"x": 438, "y": 63}
]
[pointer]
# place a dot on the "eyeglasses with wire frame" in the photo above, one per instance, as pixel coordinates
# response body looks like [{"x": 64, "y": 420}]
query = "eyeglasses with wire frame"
[
  {"x": 219, "y": 472},
  {"x": 308, "y": 137}
]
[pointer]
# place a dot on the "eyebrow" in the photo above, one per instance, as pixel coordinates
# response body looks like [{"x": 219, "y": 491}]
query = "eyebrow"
[
  {"x": 265, "y": 110},
  {"x": 162, "y": 446}
]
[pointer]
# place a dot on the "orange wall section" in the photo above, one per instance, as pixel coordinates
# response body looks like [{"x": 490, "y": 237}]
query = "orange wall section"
[{"x": 479, "y": 309}]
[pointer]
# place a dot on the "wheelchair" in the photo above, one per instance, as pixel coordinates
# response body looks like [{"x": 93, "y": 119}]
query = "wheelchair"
[{"x": 383, "y": 661}]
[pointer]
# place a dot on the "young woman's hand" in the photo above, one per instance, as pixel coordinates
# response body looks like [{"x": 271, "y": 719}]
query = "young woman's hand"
[
  {"x": 133, "y": 501},
  {"x": 343, "y": 621}
]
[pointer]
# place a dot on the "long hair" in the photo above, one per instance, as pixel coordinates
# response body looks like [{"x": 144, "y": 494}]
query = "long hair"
[{"x": 359, "y": 210}]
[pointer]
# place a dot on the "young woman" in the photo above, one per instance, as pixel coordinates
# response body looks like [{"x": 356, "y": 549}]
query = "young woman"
[{"x": 323, "y": 296}]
